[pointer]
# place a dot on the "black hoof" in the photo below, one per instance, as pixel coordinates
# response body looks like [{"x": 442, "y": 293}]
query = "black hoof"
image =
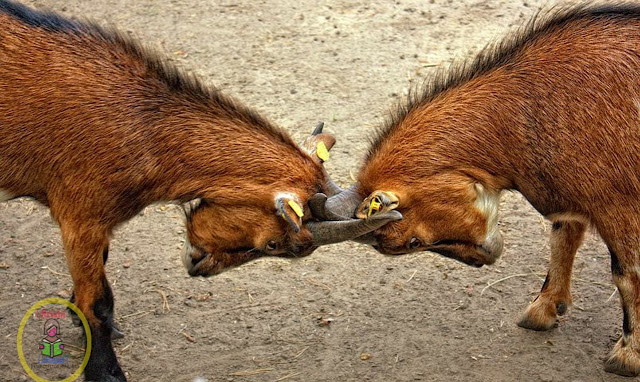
[
  {"x": 527, "y": 323},
  {"x": 108, "y": 378},
  {"x": 116, "y": 375},
  {"x": 111, "y": 378}
]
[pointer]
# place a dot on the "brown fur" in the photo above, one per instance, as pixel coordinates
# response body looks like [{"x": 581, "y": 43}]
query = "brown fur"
[
  {"x": 555, "y": 297},
  {"x": 96, "y": 128},
  {"x": 553, "y": 113}
]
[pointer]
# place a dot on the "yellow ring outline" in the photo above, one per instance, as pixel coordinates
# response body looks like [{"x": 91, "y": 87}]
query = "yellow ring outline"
[{"x": 85, "y": 324}]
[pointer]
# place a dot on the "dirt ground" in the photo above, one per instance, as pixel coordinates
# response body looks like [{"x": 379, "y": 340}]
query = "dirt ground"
[{"x": 345, "y": 313}]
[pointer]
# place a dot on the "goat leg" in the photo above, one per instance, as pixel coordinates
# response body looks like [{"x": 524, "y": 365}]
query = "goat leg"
[
  {"x": 92, "y": 295},
  {"x": 116, "y": 332},
  {"x": 555, "y": 297}
]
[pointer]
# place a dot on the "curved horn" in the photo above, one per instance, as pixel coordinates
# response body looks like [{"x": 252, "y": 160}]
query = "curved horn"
[
  {"x": 317, "y": 206},
  {"x": 318, "y": 144},
  {"x": 331, "y": 186},
  {"x": 343, "y": 205},
  {"x": 318, "y": 129},
  {"x": 340, "y": 206},
  {"x": 329, "y": 232},
  {"x": 367, "y": 238}
]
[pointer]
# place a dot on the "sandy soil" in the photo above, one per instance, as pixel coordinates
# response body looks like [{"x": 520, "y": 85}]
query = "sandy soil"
[{"x": 346, "y": 313}]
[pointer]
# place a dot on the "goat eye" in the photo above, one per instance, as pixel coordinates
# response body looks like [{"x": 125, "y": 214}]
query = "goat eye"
[
  {"x": 271, "y": 245},
  {"x": 414, "y": 243}
]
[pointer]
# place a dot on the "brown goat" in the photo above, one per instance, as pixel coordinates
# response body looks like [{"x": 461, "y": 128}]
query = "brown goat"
[
  {"x": 553, "y": 113},
  {"x": 96, "y": 128}
]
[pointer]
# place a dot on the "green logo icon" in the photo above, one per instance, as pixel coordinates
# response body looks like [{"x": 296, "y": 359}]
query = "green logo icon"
[{"x": 51, "y": 346}]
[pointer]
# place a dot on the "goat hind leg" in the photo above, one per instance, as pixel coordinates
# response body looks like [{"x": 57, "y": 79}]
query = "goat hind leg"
[
  {"x": 555, "y": 297},
  {"x": 625, "y": 356}
]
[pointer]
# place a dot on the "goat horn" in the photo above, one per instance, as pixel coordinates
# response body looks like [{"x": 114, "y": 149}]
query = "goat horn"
[
  {"x": 329, "y": 232},
  {"x": 317, "y": 206},
  {"x": 318, "y": 129},
  {"x": 367, "y": 238},
  {"x": 343, "y": 205},
  {"x": 331, "y": 187}
]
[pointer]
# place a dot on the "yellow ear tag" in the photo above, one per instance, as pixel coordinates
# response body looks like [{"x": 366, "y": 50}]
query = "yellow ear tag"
[
  {"x": 374, "y": 206},
  {"x": 322, "y": 152},
  {"x": 296, "y": 208}
]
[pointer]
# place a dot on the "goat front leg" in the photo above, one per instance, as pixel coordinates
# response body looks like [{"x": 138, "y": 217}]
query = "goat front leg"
[
  {"x": 116, "y": 332},
  {"x": 625, "y": 356},
  {"x": 555, "y": 297},
  {"x": 84, "y": 249}
]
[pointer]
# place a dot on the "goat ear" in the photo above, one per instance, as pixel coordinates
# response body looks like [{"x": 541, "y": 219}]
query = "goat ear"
[
  {"x": 318, "y": 144},
  {"x": 290, "y": 210}
]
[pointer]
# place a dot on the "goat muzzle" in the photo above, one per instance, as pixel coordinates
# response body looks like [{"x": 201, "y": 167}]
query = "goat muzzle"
[{"x": 192, "y": 258}]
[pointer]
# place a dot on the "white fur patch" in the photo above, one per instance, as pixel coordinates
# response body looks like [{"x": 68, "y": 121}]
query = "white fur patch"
[
  {"x": 285, "y": 196},
  {"x": 4, "y": 196},
  {"x": 488, "y": 202}
]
